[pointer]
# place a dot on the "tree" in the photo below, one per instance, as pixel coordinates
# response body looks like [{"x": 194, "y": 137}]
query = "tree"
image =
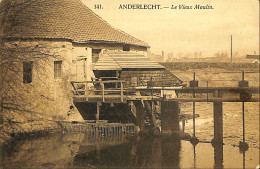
[{"x": 13, "y": 56}]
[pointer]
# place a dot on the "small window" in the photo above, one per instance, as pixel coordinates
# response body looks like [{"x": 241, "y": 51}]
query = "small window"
[
  {"x": 126, "y": 48},
  {"x": 57, "y": 69},
  {"x": 95, "y": 55},
  {"x": 27, "y": 72}
]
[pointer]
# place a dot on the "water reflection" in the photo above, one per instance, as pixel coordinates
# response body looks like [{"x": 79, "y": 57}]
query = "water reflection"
[
  {"x": 140, "y": 152},
  {"x": 218, "y": 156},
  {"x": 85, "y": 151}
]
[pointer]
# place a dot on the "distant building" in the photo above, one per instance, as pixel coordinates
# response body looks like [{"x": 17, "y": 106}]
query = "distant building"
[
  {"x": 156, "y": 58},
  {"x": 253, "y": 57}
]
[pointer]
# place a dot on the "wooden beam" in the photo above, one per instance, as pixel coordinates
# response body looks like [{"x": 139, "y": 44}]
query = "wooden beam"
[
  {"x": 220, "y": 89},
  {"x": 214, "y": 99}
]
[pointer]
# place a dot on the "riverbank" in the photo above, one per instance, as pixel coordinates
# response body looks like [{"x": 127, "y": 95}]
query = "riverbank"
[{"x": 12, "y": 130}]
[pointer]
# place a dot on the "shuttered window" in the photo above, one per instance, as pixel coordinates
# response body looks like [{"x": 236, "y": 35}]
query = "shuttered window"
[
  {"x": 57, "y": 69},
  {"x": 27, "y": 72}
]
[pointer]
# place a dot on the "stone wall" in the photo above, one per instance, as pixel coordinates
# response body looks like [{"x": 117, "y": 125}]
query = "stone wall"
[{"x": 48, "y": 99}]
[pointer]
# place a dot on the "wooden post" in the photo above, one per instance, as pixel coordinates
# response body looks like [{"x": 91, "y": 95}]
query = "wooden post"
[
  {"x": 193, "y": 105},
  {"x": 149, "y": 110},
  {"x": 140, "y": 112},
  {"x": 183, "y": 126},
  {"x": 122, "y": 92},
  {"x": 98, "y": 110},
  {"x": 243, "y": 146},
  {"x": 103, "y": 92},
  {"x": 218, "y": 122},
  {"x": 193, "y": 119},
  {"x": 152, "y": 86},
  {"x": 243, "y": 116},
  {"x": 170, "y": 117}
]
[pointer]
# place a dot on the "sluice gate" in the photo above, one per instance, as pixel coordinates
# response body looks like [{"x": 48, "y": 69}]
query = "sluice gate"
[{"x": 100, "y": 128}]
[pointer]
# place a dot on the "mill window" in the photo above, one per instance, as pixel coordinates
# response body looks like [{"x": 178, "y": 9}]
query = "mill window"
[
  {"x": 27, "y": 72},
  {"x": 95, "y": 55},
  {"x": 57, "y": 69}
]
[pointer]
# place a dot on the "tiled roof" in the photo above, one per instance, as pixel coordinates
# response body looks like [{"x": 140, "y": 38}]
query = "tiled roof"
[
  {"x": 125, "y": 61},
  {"x": 61, "y": 19}
]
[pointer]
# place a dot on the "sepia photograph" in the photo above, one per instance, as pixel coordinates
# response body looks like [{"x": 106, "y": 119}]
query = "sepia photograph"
[{"x": 129, "y": 84}]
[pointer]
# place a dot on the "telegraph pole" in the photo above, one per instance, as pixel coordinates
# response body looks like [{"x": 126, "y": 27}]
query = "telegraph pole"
[{"x": 231, "y": 48}]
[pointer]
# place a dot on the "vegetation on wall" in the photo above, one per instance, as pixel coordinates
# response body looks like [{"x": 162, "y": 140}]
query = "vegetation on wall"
[{"x": 17, "y": 59}]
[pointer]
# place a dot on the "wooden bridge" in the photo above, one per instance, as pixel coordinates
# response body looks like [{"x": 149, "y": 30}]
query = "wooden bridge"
[{"x": 122, "y": 95}]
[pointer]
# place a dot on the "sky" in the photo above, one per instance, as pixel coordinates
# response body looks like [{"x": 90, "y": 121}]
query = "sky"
[{"x": 187, "y": 31}]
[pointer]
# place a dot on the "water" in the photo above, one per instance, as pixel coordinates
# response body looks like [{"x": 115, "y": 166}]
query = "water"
[
  {"x": 232, "y": 122},
  {"x": 77, "y": 150},
  {"x": 83, "y": 151}
]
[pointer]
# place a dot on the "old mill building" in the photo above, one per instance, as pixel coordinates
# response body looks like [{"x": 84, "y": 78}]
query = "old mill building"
[{"x": 66, "y": 43}]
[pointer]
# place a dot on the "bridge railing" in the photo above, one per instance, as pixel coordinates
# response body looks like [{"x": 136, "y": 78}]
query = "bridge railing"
[{"x": 111, "y": 87}]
